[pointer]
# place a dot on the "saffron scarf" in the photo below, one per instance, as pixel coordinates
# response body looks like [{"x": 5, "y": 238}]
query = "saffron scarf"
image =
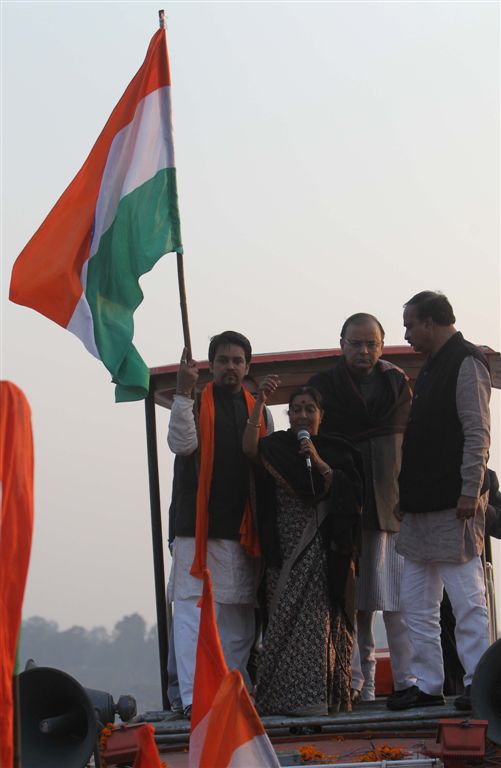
[{"x": 248, "y": 530}]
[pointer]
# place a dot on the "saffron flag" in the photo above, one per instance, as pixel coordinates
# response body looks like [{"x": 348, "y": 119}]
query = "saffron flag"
[
  {"x": 147, "y": 755},
  {"x": 118, "y": 216},
  {"x": 16, "y": 525},
  {"x": 226, "y": 730}
]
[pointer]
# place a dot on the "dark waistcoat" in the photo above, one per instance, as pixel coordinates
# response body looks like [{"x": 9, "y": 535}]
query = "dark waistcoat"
[
  {"x": 230, "y": 476},
  {"x": 430, "y": 478}
]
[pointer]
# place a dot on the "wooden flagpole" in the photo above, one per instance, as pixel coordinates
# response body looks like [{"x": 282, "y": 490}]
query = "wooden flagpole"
[
  {"x": 184, "y": 307},
  {"x": 180, "y": 265},
  {"x": 155, "y": 506}
]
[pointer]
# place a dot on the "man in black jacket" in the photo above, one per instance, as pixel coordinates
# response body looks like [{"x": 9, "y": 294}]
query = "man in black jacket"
[
  {"x": 368, "y": 399},
  {"x": 211, "y": 502},
  {"x": 443, "y": 497}
]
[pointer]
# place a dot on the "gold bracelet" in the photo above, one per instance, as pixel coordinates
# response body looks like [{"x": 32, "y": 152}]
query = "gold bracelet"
[{"x": 256, "y": 426}]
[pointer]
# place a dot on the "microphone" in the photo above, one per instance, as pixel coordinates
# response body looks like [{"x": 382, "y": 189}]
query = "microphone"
[{"x": 303, "y": 434}]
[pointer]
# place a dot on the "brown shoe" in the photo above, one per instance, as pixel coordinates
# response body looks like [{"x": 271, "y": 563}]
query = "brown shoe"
[{"x": 355, "y": 696}]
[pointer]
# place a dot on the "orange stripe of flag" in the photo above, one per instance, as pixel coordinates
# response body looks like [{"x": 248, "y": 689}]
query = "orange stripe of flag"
[
  {"x": 46, "y": 275},
  {"x": 233, "y": 722},
  {"x": 147, "y": 755},
  {"x": 210, "y": 667}
]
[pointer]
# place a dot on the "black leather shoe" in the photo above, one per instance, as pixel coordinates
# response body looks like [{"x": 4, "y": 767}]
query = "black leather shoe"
[
  {"x": 463, "y": 702},
  {"x": 413, "y": 697},
  {"x": 398, "y": 694}
]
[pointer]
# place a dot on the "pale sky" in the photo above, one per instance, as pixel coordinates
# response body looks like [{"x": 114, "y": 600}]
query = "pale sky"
[{"x": 332, "y": 158}]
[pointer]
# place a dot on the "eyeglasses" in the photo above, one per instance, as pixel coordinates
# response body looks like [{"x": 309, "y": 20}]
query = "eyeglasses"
[{"x": 360, "y": 344}]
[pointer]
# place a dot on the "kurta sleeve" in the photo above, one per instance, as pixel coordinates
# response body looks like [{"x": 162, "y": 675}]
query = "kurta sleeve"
[
  {"x": 473, "y": 392},
  {"x": 182, "y": 435}
]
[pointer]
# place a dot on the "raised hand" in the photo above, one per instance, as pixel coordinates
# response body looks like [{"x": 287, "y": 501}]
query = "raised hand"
[
  {"x": 187, "y": 375},
  {"x": 267, "y": 387}
]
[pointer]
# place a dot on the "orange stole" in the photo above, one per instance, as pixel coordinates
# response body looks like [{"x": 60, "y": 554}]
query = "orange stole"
[{"x": 248, "y": 533}]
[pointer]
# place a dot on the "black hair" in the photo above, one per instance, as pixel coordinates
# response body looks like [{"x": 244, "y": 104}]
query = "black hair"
[
  {"x": 361, "y": 317},
  {"x": 230, "y": 337},
  {"x": 307, "y": 390},
  {"x": 434, "y": 305}
]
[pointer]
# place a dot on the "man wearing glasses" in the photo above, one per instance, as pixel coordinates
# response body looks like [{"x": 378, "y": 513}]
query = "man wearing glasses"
[{"x": 367, "y": 399}]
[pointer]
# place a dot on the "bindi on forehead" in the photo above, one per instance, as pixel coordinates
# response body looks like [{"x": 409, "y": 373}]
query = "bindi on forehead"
[{"x": 303, "y": 400}]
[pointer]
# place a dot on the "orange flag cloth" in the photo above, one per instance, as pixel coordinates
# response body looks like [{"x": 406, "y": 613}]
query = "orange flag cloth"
[
  {"x": 248, "y": 531},
  {"x": 147, "y": 754},
  {"x": 225, "y": 727},
  {"x": 16, "y": 526}
]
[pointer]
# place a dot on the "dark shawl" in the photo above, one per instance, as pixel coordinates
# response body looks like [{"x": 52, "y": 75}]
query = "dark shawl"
[
  {"x": 340, "y": 530},
  {"x": 345, "y": 411}
]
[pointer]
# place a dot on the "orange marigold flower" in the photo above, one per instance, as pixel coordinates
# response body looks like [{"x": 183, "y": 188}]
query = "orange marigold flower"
[
  {"x": 385, "y": 752},
  {"x": 310, "y": 753}
]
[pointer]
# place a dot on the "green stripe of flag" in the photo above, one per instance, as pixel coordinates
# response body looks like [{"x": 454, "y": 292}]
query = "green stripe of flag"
[{"x": 146, "y": 227}]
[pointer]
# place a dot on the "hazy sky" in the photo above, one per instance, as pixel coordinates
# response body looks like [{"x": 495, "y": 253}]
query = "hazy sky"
[{"x": 332, "y": 158}]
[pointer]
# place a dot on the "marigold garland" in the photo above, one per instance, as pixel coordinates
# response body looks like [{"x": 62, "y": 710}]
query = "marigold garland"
[
  {"x": 385, "y": 752},
  {"x": 310, "y": 754},
  {"x": 103, "y": 739}
]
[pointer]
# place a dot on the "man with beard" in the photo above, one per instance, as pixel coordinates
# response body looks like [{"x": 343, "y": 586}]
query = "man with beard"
[
  {"x": 368, "y": 399},
  {"x": 213, "y": 520}
]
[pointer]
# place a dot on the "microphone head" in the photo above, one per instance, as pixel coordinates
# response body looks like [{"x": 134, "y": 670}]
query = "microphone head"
[{"x": 303, "y": 434}]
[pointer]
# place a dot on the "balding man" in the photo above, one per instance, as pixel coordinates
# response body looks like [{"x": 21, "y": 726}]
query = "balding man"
[
  {"x": 443, "y": 497},
  {"x": 368, "y": 399}
]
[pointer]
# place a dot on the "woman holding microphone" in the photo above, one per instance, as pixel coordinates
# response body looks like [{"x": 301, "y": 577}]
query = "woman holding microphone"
[{"x": 308, "y": 499}]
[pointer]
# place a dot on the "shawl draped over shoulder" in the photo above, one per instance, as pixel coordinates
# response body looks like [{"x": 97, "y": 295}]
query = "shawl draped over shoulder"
[
  {"x": 346, "y": 412},
  {"x": 340, "y": 528}
]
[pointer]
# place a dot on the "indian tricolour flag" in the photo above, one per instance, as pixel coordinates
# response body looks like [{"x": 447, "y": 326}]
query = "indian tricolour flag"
[
  {"x": 226, "y": 730},
  {"x": 118, "y": 216}
]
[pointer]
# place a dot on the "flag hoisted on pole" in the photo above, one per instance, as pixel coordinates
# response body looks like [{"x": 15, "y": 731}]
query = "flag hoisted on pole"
[
  {"x": 226, "y": 730},
  {"x": 114, "y": 221}
]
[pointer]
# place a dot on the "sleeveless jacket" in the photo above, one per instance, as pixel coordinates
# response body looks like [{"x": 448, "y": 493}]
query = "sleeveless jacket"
[
  {"x": 230, "y": 477},
  {"x": 430, "y": 479}
]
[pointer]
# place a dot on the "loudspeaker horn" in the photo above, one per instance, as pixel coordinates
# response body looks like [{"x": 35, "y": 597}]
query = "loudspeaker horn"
[
  {"x": 486, "y": 691},
  {"x": 60, "y": 720}
]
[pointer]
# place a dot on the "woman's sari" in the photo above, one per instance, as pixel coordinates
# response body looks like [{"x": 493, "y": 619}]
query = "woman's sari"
[{"x": 309, "y": 541}]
